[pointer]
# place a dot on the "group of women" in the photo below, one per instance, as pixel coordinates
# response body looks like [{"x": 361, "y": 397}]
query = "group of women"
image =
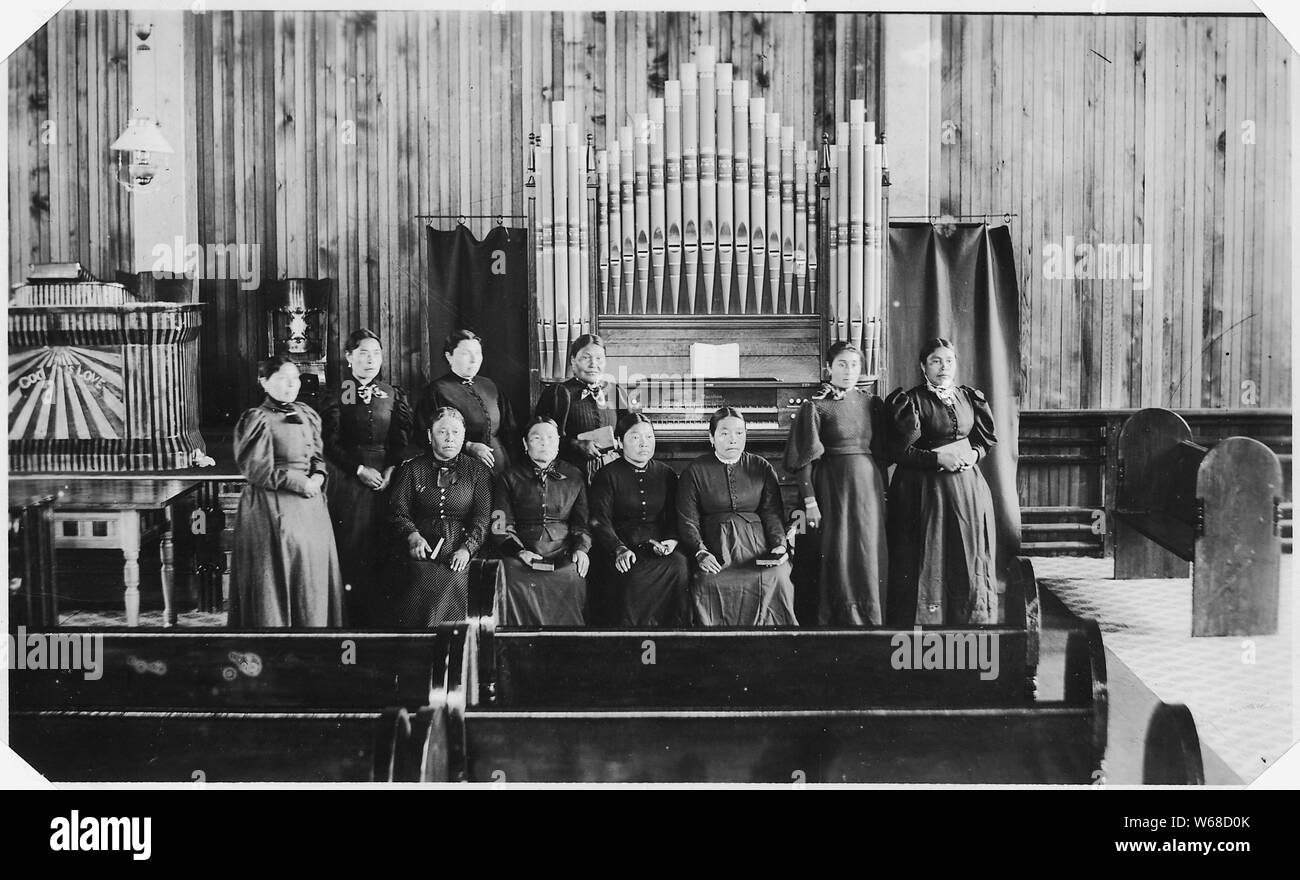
[{"x": 371, "y": 512}]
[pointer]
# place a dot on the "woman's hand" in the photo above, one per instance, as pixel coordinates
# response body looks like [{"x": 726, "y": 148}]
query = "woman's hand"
[
  {"x": 626, "y": 559},
  {"x": 812, "y": 513},
  {"x": 664, "y": 548},
  {"x": 971, "y": 460},
  {"x": 314, "y": 484},
  {"x": 417, "y": 546},
  {"x": 482, "y": 452},
  {"x": 385, "y": 478},
  {"x": 949, "y": 461},
  {"x": 589, "y": 448},
  {"x": 709, "y": 564},
  {"x": 779, "y": 550},
  {"x": 528, "y": 557},
  {"x": 370, "y": 478},
  {"x": 460, "y": 560},
  {"x": 581, "y": 561}
]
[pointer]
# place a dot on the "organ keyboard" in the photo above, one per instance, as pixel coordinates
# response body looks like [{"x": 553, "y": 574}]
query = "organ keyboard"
[{"x": 681, "y": 410}]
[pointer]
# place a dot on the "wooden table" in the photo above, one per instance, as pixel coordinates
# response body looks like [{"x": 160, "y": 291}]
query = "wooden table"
[{"x": 115, "y": 513}]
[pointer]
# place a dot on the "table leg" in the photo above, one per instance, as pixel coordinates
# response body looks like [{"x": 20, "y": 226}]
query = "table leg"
[
  {"x": 130, "y": 524},
  {"x": 167, "y": 550}
]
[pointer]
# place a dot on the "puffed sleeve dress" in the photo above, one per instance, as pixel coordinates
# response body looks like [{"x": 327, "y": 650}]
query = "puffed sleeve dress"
[
  {"x": 577, "y": 408},
  {"x": 543, "y": 510},
  {"x": 447, "y": 501},
  {"x": 834, "y": 449},
  {"x": 630, "y": 507},
  {"x": 940, "y": 524},
  {"x": 488, "y": 415},
  {"x": 363, "y": 424},
  {"x": 735, "y": 512},
  {"x": 285, "y": 568}
]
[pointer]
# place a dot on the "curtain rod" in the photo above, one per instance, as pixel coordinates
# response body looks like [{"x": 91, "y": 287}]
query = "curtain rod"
[{"x": 936, "y": 218}]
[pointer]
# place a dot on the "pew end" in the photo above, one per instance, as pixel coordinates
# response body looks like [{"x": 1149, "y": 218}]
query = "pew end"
[{"x": 1172, "y": 749}]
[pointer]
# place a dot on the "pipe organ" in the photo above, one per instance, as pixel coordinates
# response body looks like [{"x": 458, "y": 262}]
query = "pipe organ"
[{"x": 708, "y": 218}]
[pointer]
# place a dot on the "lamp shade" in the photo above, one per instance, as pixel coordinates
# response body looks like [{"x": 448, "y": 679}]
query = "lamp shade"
[{"x": 143, "y": 135}]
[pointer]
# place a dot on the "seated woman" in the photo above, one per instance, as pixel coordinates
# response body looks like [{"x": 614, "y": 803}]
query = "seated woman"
[
  {"x": 940, "y": 519},
  {"x": 439, "y": 509},
  {"x": 365, "y": 426},
  {"x": 634, "y": 518},
  {"x": 540, "y": 516},
  {"x": 730, "y": 518},
  {"x": 489, "y": 422},
  {"x": 285, "y": 568},
  {"x": 585, "y": 402},
  {"x": 833, "y": 450}
]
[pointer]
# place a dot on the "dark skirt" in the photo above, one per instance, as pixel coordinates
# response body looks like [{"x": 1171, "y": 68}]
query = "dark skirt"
[
  {"x": 941, "y": 549},
  {"x": 285, "y": 569},
  {"x": 654, "y": 592},
  {"x": 854, "y": 560},
  {"x": 543, "y": 598},
  {"x": 432, "y": 594},
  {"x": 358, "y": 516},
  {"x": 743, "y": 593}
]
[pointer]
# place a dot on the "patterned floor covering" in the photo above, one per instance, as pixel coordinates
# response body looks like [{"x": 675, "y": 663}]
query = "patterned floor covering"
[{"x": 1240, "y": 690}]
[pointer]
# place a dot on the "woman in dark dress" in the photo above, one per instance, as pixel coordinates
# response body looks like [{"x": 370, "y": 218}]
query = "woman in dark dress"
[
  {"x": 730, "y": 517},
  {"x": 634, "y": 518},
  {"x": 285, "y": 569},
  {"x": 833, "y": 449},
  {"x": 940, "y": 522},
  {"x": 366, "y": 425},
  {"x": 585, "y": 402},
  {"x": 489, "y": 422},
  {"x": 540, "y": 513},
  {"x": 439, "y": 509}
]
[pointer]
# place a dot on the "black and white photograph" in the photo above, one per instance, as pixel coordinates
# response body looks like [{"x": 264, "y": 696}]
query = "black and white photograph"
[{"x": 489, "y": 395}]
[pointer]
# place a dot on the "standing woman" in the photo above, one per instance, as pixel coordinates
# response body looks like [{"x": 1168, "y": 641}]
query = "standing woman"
[
  {"x": 285, "y": 570},
  {"x": 730, "y": 517},
  {"x": 832, "y": 449},
  {"x": 634, "y": 518},
  {"x": 584, "y": 402},
  {"x": 366, "y": 426},
  {"x": 439, "y": 510},
  {"x": 940, "y": 523},
  {"x": 540, "y": 512},
  {"x": 489, "y": 423}
]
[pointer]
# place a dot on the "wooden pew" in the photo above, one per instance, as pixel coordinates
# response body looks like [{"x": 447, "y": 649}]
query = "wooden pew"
[
  {"x": 1172, "y": 750},
  {"x": 263, "y": 706},
  {"x": 32, "y": 595},
  {"x": 761, "y": 668},
  {"x": 1215, "y": 508},
  {"x": 1033, "y": 742}
]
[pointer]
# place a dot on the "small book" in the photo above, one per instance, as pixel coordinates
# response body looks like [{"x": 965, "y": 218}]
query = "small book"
[
  {"x": 541, "y": 565},
  {"x": 770, "y": 560},
  {"x": 602, "y": 437},
  {"x": 960, "y": 448}
]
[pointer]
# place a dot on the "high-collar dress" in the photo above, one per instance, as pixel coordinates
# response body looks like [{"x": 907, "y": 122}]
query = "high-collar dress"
[
  {"x": 363, "y": 424},
  {"x": 940, "y": 523},
  {"x": 447, "y": 501},
  {"x": 545, "y": 511},
  {"x": 735, "y": 512},
  {"x": 630, "y": 507},
  {"x": 833, "y": 447},
  {"x": 578, "y": 407},
  {"x": 285, "y": 569},
  {"x": 487, "y": 412}
]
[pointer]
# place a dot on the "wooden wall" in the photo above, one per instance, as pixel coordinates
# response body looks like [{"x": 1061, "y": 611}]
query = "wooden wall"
[
  {"x": 321, "y": 135},
  {"x": 368, "y": 119},
  {"x": 68, "y": 100},
  {"x": 1171, "y": 133}
]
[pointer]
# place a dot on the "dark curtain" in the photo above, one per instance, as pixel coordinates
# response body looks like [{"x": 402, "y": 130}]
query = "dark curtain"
[
  {"x": 959, "y": 282},
  {"x": 483, "y": 286}
]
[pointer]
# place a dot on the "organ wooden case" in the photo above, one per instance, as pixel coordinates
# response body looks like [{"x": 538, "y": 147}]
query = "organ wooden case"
[{"x": 706, "y": 221}]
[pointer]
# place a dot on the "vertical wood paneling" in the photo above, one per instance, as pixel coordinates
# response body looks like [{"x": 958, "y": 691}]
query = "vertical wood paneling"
[{"x": 320, "y": 135}]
